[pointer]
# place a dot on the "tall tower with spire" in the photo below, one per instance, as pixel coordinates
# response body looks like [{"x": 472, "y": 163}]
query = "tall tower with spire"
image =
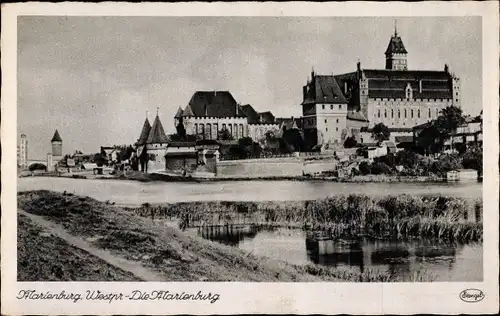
[
  {"x": 395, "y": 54},
  {"x": 56, "y": 145}
]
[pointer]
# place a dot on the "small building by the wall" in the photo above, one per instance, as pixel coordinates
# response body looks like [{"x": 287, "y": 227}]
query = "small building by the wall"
[{"x": 462, "y": 175}]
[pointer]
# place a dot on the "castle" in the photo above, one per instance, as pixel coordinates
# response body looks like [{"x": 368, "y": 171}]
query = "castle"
[{"x": 337, "y": 106}]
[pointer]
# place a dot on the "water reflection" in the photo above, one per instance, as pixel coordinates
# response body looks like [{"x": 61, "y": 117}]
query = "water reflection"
[{"x": 446, "y": 262}]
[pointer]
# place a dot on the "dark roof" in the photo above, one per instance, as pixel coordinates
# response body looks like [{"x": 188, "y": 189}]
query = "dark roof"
[
  {"x": 289, "y": 123},
  {"x": 56, "y": 137},
  {"x": 356, "y": 116},
  {"x": 324, "y": 89},
  {"x": 391, "y": 129},
  {"x": 157, "y": 134},
  {"x": 403, "y": 139},
  {"x": 205, "y": 142},
  {"x": 181, "y": 144},
  {"x": 393, "y": 83},
  {"x": 395, "y": 46},
  {"x": 422, "y": 126},
  {"x": 266, "y": 117},
  {"x": 251, "y": 114},
  {"x": 144, "y": 133},
  {"x": 214, "y": 104},
  {"x": 181, "y": 154}
]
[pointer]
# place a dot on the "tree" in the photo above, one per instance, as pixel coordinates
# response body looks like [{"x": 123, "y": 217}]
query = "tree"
[
  {"x": 224, "y": 135},
  {"x": 381, "y": 132},
  {"x": 181, "y": 130},
  {"x": 293, "y": 138},
  {"x": 450, "y": 119},
  {"x": 37, "y": 166},
  {"x": 100, "y": 159},
  {"x": 350, "y": 142},
  {"x": 364, "y": 168}
]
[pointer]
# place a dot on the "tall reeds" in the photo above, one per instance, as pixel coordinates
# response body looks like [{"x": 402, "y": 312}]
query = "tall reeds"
[{"x": 401, "y": 216}]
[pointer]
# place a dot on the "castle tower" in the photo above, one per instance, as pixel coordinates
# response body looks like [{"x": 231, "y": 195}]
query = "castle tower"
[
  {"x": 23, "y": 152},
  {"x": 395, "y": 55},
  {"x": 56, "y": 145}
]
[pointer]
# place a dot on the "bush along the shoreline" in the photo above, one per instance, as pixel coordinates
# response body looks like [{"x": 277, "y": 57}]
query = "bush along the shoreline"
[{"x": 352, "y": 216}]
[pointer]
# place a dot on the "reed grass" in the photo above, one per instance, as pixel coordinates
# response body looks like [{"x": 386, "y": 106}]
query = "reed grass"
[{"x": 400, "y": 216}]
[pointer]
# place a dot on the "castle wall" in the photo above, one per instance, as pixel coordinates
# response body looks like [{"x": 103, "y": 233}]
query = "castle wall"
[
  {"x": 330, "y": 123},
  {"x": 207, "y": 127},
  {"x": 258, "y": 131},
  {"x": 401, "y": 113}
]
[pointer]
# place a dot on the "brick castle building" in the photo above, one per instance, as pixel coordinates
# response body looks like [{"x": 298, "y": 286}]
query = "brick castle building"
[{"x": 337, "y": 106}]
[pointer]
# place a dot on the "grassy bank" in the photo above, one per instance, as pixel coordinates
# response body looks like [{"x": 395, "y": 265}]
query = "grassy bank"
[
  {"x": 44, "y": 257},
  {"x": 165, "y": 250},
  {"x": 399, "y": 217}
]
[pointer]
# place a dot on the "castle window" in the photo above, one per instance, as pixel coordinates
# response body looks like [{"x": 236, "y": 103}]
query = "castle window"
[
  {"x": 378, "y": 113},
  {"x": 437, "y": 112},
  {"x": 223, "y": 126},
  {"x": 323, "y": 106},
  {"x": 216, "y": 128},
  {"x": 331, "y": 106},
  {"x": 241, "y": 130},
  {"x": 325, "y": 121},
  {"x": 196, "y": 128},
  {"x": 326, "y": 129},
  {"x": 236, "y": 131},
  {"x": 418, "y": 113},
  {"x": 399, "y": 113},
  {"x": 392, "y": 113},
  {"x": 405, "y": 113},
  {"x": 411, "y": 113},
  {"x": 385, "y": 113},
  {"x": 230, "y": 129},
  {"x": 202, "y": 130},
  {"x": 340, "y": 106},
  {"x": 209, "y": 131},
  {"x": 429, "y": 112},
  {"x": 456, "y": 100},
  {"x": 337, "y": 129},
  {"x": 337, "y": 120}
]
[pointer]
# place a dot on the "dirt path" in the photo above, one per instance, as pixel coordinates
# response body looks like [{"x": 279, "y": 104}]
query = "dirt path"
[{"x": 127, "y": 265}]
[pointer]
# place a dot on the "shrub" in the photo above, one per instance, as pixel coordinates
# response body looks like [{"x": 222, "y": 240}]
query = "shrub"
[
  {"x": 350, "y": 142},
  {"x": 364, "y": 168},
  {"x": 37, "y": 166}
]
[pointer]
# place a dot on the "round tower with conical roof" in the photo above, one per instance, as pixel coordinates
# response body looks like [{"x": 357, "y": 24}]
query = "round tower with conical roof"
[{"x": 56, "y": 145}]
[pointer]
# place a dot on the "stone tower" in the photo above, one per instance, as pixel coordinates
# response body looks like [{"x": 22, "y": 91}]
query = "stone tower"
[
  {"x": 23, "y": 151},
  {"x": 395, "y": 55},
  {"x": 56, "y": 145}
]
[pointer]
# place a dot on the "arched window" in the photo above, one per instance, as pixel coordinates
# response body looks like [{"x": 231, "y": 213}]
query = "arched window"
[
  {"x": 385, "y": 113},
  {"x": 411, "y": 113},
  {"x": 429, "y": 113},
  {"x": 209, "y": 131},
  {"x": 195, "y": 128},
  {"x": 236, "y": 135},
  {"x": 378, "y": 112},
  {"x": 418, "y": 113},
  {"x": 241, "y": 131},
  {"x": 405, "y": 113},
  {"x": 399, "y": 113},
  {"x": 392, "y": 113},
  {"x": 230, "y": 129},
  {"x": 437, "y": 112},
  {"x": 202, "y": 130}
]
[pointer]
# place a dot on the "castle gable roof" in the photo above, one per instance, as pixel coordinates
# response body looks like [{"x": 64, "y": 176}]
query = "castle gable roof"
[
  {"x": 266, "y": 117},
  {"x": 179, "y": 113},
  {"x": 56, "y": 137},
  {"x": 396, "y": 46},
  {"x": 146, "y": 128},
  {"x": 214, "y": 104},
  {"x": 251, "y": 114},
  {"x": 157, "y": 134},
  {"x": 425, "y": 84},
  {"x": 324, "y": 89}
]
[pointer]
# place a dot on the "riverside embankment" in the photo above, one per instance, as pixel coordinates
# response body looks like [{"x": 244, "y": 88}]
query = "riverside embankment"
[{"x": 164, "y": 251}]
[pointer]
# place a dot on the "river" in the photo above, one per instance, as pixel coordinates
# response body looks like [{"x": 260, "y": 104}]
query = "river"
[
  {"x": 441, "y": 262},
  {"x": 444, "y": 262},
  {"x": 125, "y": 192}
]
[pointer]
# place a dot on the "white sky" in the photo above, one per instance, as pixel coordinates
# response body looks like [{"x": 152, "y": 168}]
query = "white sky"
[{"x": 94, "y": 78}]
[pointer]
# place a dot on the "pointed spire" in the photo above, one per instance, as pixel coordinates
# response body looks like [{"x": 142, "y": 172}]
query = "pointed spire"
[
  {"x": 157, "y": 133},
  {"x": 56, "y": 137},
  {"x": 179, "y": 113},
  {"x": 146, "y": 128},
  {"x": 395, "y": 28},
  {"x": 188, "y": 111}
]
